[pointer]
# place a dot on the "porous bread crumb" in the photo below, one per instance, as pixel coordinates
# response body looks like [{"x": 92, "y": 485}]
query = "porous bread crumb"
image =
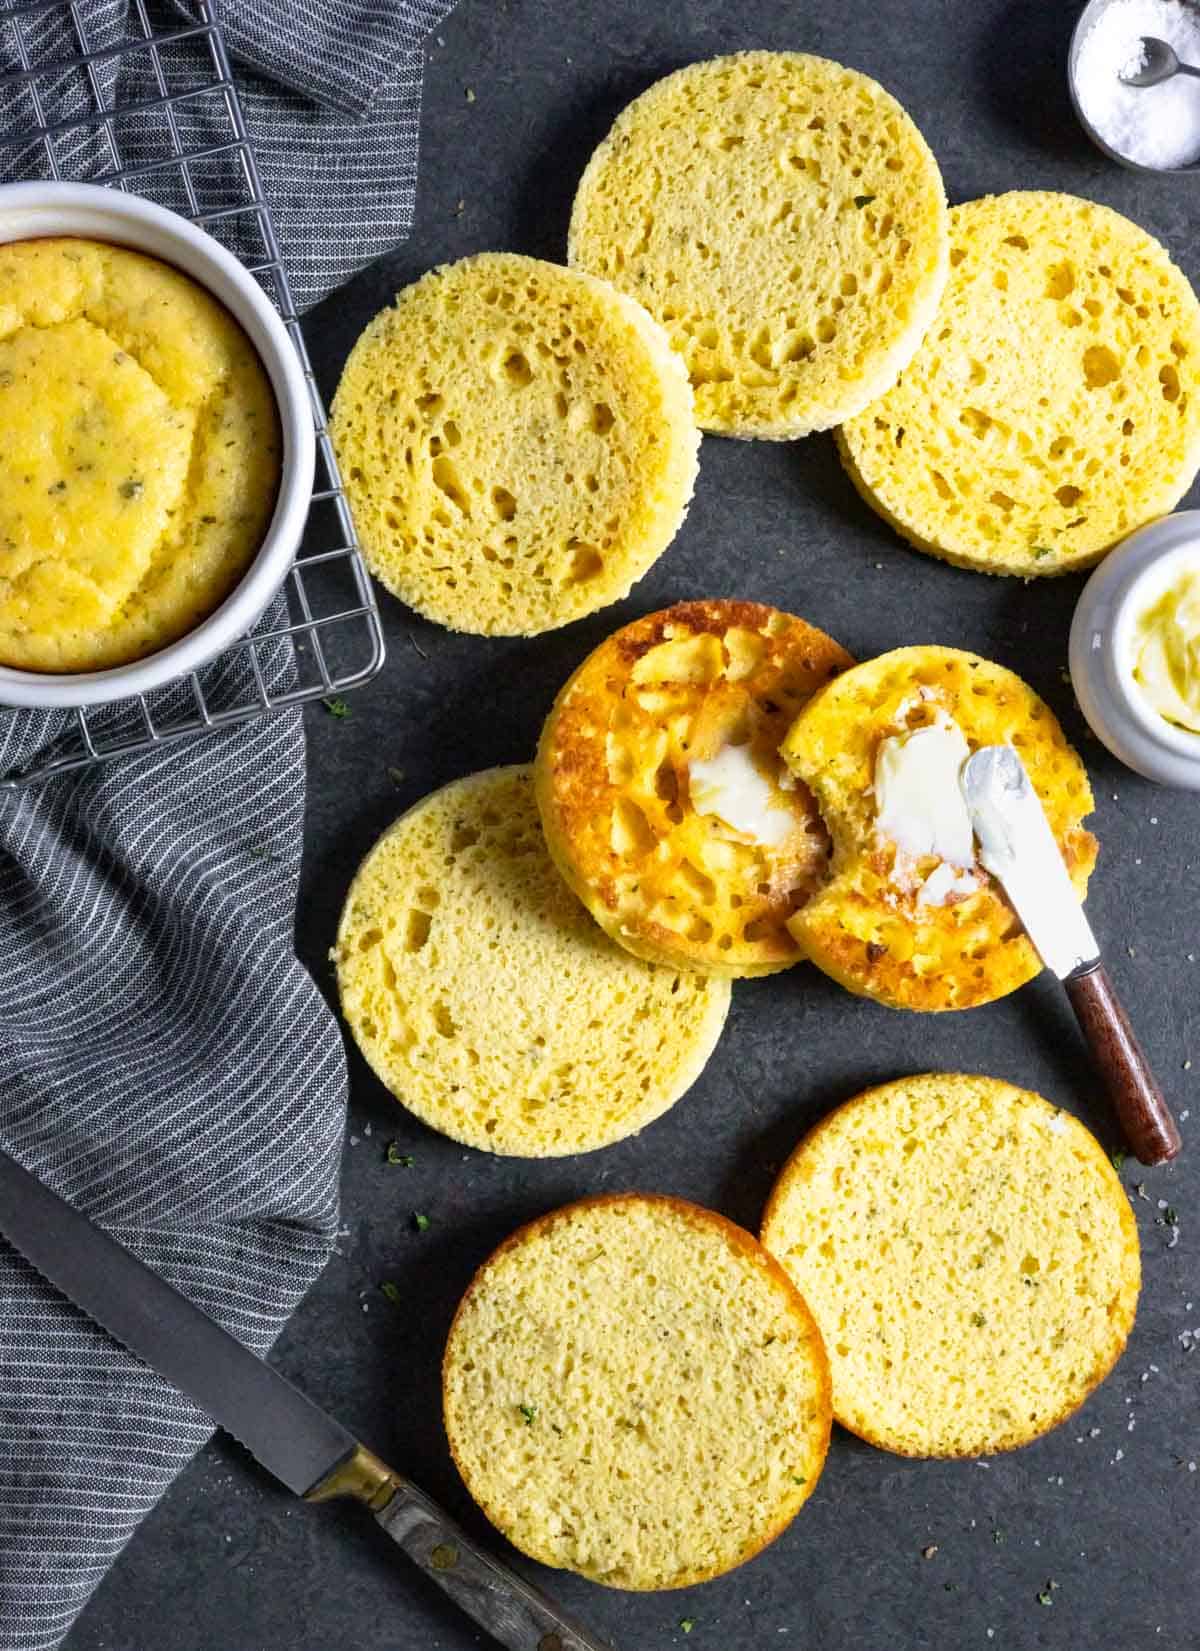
[
  {"x": 139, "y": 454},
  {"x": 1053, "y": 406},
  {"x": 974, "y": 1272},
  {"x": 633, "y": 1389},
  {"x": 487, "y": 1000},
  {"x": 517, "y": 442},
  {"x": 613, "y": 781},
  {"x": 867, "y": 926},
  {"x": 785, "y": 221}
]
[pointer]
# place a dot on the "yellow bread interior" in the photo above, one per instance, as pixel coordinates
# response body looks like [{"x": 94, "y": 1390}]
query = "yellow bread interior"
[
  {"x": 487, "y": 1000},
  {"x": 613, "y": 775},
  {"x": 970, "y": 1256},
  {"x": 868, "y": 927},
  {"x": 518, "y": 444},
  {"x": 1052, "y": 407},
  {"x": 634, "y": 1390},
  {"x": 785, "y": 221},
  {"x": 139, "y": 454}
]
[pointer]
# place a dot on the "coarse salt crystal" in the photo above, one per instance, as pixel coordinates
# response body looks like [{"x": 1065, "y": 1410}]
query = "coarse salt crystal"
[{"x": 1156, "y": 126}]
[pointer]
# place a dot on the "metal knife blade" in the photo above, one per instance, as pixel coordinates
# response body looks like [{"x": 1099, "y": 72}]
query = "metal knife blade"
[
  {"x": 289, "y": 1435},
  {"x": 1017, "y": 846},
  {"x": 312, "y": 1454}
]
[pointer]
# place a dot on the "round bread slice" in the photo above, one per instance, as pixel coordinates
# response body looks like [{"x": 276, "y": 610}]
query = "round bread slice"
[
  {"x": 970, "y": 1256},
  {"x": 877, "y": 926},
  {"x": 663, "y": 798},
  {"x": 635, "y": 1390},
  {"x": 518, "y": 444},
  {"x": 486, "y": 999},
  {"x": 785, "y": 221},
  {"x": 1054, "y": 405}
]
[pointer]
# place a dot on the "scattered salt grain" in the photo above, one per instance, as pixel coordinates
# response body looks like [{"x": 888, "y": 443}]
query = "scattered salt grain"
[{"x": 1157, "y": 126}]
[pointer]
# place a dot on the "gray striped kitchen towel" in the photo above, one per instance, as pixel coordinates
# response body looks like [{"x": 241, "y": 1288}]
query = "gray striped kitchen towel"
[{"x": 165, "y": 1062}]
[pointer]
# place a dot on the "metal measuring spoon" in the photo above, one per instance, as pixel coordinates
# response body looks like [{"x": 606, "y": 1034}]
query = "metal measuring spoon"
[{"x": 1158, "y": 62}]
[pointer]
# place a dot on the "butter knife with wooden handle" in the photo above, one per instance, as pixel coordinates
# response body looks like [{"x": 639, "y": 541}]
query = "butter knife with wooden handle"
[
  {"x": 308, "y": 1450},
  {"x": 1018, "y": 847}
]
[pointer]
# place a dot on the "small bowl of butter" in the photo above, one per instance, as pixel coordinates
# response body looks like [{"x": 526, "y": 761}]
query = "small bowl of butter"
[{"x": 1135, "y": 651}]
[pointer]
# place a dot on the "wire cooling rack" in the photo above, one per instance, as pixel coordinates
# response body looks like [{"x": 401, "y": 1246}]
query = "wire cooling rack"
[{"x": 181, "y": 140}]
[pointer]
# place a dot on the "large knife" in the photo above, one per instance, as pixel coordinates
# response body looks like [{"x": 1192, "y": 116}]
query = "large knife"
[
  {"x": 1017, "y": 846},
  {"x": 309, "y": 1451}
]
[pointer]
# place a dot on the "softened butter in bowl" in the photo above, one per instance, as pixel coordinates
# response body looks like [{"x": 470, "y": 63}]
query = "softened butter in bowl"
[
  {"x": 140, "y": 454},
  {"x": 1165, "y": 646},
  {"x": 1135, "y": 651}
]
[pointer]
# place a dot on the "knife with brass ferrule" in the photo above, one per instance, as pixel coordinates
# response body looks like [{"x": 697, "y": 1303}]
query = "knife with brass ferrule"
[
  {"x": 308, "y": 1450},
  {"x": 1018, "y": 847}
]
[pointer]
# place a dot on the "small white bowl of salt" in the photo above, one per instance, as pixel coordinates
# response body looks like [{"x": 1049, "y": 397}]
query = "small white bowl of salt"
[{"x": 1150, "y": 128}]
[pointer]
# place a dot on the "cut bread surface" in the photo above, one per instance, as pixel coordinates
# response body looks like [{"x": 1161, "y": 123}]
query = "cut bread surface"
[
  {"x": 663, "y": 797},
  {"x": 873, "y": 926},
  {"x": 970, "y": 1256},
  {"x": 1054, "y": 405},
  {"x": 785, "y": 221},
  {"x": 518, "y": 444},
  {"x": 633, "y": 1389},
  {"x": 487, "y": 1000}
]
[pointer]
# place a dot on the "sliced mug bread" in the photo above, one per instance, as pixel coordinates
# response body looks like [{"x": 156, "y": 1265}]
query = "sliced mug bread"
[
  {"x": 634, "y": 1390},
  {"x": 785, "y": 221},
  {"x": 517, "y": 442},
  {"x": 912, "y": 930},
  {"x": 1054, "y": 405},
  {"x": 970, "y": 1256},
  {"x": 487, "y": 1000},
  {"x": 664, "y": 801}
]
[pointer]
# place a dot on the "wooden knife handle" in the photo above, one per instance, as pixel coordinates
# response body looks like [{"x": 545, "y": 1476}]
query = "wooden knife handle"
[
  {"x": 515, "y": 1613},
  {"x": 1133, "y": 1089}
]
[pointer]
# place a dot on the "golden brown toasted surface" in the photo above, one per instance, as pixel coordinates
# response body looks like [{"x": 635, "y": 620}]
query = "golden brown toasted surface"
[
  {"x": 487, "y": 1000},
  {"x": 620, "y": 801},
  {"x": 634, "y": 1389},
  {"x": 139, "y": 454},
  {"x": 783, "y": 218},
  {"x": 1054, "y": 405},
  {"x": 518, "y": 444},
  {"x": 870, "y": 926},
  {"x": 970, "y": 1256}
]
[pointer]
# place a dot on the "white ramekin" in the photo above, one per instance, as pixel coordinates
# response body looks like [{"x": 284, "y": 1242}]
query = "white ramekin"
[
  {"x": 34, "y": 209},
  {"x": 1101, "y": 651}
]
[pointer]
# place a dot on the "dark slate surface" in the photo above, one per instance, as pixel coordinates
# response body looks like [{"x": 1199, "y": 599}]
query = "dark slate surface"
[{"x": 1107, "y": 1505}]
